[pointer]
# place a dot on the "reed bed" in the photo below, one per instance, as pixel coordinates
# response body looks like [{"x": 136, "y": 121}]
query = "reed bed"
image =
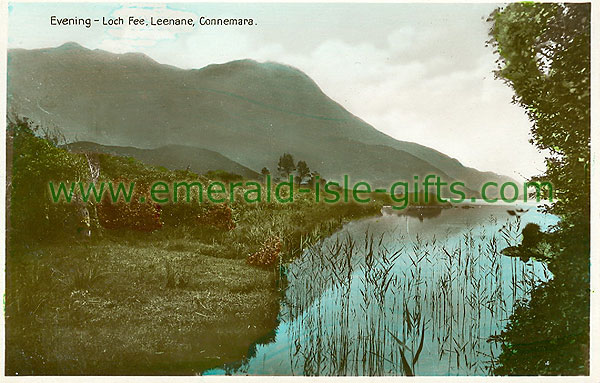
[{"x": 391, "y": 305}]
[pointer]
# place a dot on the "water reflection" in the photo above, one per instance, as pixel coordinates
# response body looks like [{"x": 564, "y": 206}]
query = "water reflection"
[{"x": 401, "y": 295}]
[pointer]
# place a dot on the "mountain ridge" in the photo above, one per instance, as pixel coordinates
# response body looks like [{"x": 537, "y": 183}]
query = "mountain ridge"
[{"x": 270, "y": 107}]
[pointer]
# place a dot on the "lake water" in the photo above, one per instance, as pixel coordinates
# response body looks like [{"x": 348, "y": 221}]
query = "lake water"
[{"x": 416, "y": 292}]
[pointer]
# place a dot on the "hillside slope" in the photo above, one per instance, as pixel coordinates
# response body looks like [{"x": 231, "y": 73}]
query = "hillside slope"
[
  {"x": 249, "y": 112},
  {"x": 172, "y": 157}
]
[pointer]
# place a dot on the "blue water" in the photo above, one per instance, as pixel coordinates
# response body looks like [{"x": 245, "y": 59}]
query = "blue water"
[{"x": 416, "y": 292}]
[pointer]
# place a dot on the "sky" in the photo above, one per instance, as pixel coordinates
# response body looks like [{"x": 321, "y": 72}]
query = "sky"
[{"x": 417, "y": 72}]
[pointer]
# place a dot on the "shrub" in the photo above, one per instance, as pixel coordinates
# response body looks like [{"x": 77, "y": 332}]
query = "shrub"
[
  {"x": 36, "y": 160},
  {"x": 219, "y": 216},
  {"x": 268, "y": 254},
  {"x": 135, "y": 215}
]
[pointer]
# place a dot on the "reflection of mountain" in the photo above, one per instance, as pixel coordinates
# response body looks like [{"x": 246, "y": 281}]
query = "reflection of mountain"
[
  {"x": 172, "y": 157},
  {"x": 250, "y": 112}
]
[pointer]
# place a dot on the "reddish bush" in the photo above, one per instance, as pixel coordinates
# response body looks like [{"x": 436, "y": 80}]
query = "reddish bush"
[
  {"x": 268, "y": 254},
  {"x": 219, "y": 216},
  {"x": 134, "y": 215}
]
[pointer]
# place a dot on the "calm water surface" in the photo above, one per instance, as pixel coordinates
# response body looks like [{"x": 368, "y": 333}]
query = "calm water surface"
[{"x": 406, "y": 293}]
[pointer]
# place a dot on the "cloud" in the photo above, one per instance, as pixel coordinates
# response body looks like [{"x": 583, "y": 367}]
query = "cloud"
[
  {"x": 123, "y": 38},
  {"x": 433, "y": 99},
  {"x": 424, "y": 84},
  {"x": 416, "y": 72}
]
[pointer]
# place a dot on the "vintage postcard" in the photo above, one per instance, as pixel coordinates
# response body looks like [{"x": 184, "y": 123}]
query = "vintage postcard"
[{"x": 298, "y": 189}]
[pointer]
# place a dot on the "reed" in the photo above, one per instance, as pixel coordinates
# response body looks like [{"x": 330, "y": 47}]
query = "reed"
[{"x": 388, "y": 305}]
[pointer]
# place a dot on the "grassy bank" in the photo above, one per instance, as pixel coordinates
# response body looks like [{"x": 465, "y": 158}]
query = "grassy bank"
[
  {"x": 154, "y": 290},
  {"x": 173, "y": 301},
  {"x": 105, "y": 308}
]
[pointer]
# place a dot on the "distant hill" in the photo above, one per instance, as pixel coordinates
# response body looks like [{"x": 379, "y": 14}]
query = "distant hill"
[
  {"x": 247, "y": 111},
  {"x": 172, "y": 157}
]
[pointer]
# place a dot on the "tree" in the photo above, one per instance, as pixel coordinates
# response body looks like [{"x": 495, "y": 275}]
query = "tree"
[
  {"x": 313, "y": 178},
  {"x": 302, "y": 170},
  {"x": 286, "y": 166},
  {"x": 265, "y": 171},
  {"x": 36, "y": 161},
  {"x": 544, "y": 56}
]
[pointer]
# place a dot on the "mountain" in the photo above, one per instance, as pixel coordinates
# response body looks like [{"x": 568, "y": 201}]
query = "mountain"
[
  {"x": 172, "y": 157},
  {"x": 249, "y": 112}
]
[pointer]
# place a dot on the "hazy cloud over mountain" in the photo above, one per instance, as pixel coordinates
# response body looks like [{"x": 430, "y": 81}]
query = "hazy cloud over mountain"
[{"x": 419, "y": 73}]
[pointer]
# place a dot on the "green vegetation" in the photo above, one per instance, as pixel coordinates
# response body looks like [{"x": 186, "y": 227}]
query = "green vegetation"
[
  {"x": 544, "y": 54},
  {"x": 286, "y": 165},
  {"x": 302, "y": 171},
  {"x": 373, "y": 302},
  {"x": 173, "y": 293},
  {"x": 107, "y": 307}
]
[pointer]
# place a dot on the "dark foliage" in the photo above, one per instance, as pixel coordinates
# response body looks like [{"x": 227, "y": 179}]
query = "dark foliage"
[
  {"x": 544, "y": 54},
  {"x": 286, "y": 165},
  {"x": 36, "y": 160}
]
